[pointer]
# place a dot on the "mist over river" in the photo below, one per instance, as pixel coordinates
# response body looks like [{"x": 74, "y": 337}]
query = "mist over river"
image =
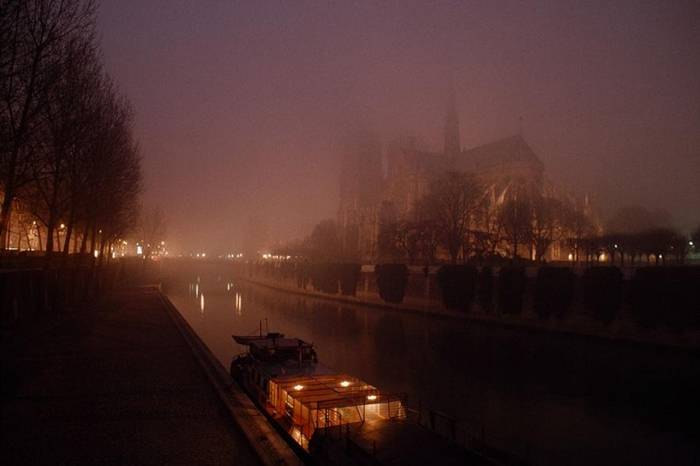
[{"x": 548, "y": 398}]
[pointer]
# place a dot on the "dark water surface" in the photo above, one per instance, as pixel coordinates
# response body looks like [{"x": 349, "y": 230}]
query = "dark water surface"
[{"x": 548, "y": 398}]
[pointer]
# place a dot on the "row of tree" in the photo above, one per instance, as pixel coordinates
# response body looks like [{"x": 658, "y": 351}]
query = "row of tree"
[
  {"x": 467, "y": 220},
  {"x": 461, "y": 220},
  {"x": 69, "y": 164}
]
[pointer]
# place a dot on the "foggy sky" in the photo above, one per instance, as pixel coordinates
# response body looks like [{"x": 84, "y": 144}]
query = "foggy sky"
[{"x": 239, "y": 105}]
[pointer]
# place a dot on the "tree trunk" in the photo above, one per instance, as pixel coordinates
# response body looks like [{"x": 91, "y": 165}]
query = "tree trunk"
[
  {"x": 84, "y": 239},
  {"x": 93, "y": 239},
  {"x": 75, "y": 242},
  {"x": 102, "y": 251},
  {"x": 5, "y": 215},
  {"x": 49, "y": 235},
  {"x": 69, "y": 232}
]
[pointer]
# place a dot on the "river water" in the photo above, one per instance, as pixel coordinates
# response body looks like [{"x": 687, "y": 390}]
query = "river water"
[{"x": 550, "y": 399}]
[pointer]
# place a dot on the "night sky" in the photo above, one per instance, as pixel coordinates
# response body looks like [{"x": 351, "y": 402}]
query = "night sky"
[{"x": 240, "y": 105}]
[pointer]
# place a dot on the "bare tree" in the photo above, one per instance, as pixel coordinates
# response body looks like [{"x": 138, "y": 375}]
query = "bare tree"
[
  {"x": 578, "y": 226},
  {"x": 69, "y": 115},
  {"x": 450, "y": 205},
  {"x": 32, "y": 38},
  {"x": 489, "y": 232},
  {"x": 152, "y": 229},
  {"x": 515, "y": 217},
  {"x": 548, "y": 221}
]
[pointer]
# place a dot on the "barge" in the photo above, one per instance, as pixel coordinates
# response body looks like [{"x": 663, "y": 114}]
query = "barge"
[{"x": 330, "y": 417}]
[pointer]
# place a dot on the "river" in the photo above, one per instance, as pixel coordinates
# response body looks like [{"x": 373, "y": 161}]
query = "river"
[{"x": 548, "y": 398}]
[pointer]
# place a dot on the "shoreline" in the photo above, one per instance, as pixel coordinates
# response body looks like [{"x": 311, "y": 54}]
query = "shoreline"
[
  {"x": 615, "y": 333},
  {"x": 261, "y": 435}
]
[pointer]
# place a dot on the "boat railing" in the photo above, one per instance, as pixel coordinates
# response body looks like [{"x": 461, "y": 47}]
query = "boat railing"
[
  {"x": 471, "y": 435},
  {"x": 338, "y": 426},
  {"x": 365, "y": 400}
]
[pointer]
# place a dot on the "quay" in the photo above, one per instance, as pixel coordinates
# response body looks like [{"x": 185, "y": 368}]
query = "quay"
[
  {"x": 577, "y": 325},
  {"x": 125, "y": 381}
]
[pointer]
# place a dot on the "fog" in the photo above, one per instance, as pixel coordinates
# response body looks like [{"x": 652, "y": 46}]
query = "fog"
[{"x": 240, "y": 105}]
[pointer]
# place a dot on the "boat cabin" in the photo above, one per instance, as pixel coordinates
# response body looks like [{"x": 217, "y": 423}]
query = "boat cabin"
[
  {"x": 328, "y": 401},
  {"x": 305, "y": 397},
  {"x": 282, "y": 349}
]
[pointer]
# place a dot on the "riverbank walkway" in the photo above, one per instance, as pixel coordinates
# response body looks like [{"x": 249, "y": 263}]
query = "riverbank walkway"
[{"x": 118, "y": 383}]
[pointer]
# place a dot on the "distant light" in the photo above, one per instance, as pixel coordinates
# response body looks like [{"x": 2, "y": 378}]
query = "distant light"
[
  {"x": 204, "y": 254},
  {"x": 139, "y": 250},
  {"x": 691, "y": 243},
  {"x": 615, "y": 246},
  {"x": 661, "y": 256},
  {"x": 298, "y": 387},
  {"x": 571, "y": 257},
  {"x": 63, "y": 225},
  {"x": 371, "y": 397},
  {"x": 96, "y": 253},
  {"x": 344, "y": 383},
  {"x": 162, "y": 243}
]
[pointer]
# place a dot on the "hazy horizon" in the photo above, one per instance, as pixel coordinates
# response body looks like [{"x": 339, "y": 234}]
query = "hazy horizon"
[{"x": 239, "y": 106}]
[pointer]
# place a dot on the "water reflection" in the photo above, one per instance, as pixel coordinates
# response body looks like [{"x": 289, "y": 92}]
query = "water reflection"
[{"x": 551, "y": 399}]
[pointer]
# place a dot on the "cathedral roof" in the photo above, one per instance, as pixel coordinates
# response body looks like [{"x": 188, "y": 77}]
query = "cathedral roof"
[
  {"x": 427, "y": 161},
  {"x": 505, "y": 151}
]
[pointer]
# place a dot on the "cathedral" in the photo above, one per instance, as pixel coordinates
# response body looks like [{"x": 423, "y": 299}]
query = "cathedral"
[{"x": 401, "y": 175}]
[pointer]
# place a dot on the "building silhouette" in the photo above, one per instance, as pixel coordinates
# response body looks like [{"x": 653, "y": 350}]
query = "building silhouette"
[{"x": 371, "y": 189}]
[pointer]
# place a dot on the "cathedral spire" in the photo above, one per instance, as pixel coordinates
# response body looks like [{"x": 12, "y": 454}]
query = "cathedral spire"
[{"x": 452, "y": 145}]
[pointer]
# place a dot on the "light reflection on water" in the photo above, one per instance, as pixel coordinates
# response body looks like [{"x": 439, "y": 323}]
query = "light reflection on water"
[{"x": 551, "y": 399}]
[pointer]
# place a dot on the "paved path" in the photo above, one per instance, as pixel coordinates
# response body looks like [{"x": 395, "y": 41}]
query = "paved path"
[{"x": 113, "y": 384}]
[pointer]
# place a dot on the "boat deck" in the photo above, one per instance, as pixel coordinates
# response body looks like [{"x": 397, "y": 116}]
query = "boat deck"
[{"x": 400, "y": 442}]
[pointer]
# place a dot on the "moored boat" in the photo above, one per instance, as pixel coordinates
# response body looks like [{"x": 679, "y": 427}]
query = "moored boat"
[
  {"x": 247, "y": 339},
  {"x": 332, "y": 417}
]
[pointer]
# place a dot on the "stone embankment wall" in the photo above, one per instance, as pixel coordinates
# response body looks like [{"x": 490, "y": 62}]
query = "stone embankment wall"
[{"x": 651, "y": 304}]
